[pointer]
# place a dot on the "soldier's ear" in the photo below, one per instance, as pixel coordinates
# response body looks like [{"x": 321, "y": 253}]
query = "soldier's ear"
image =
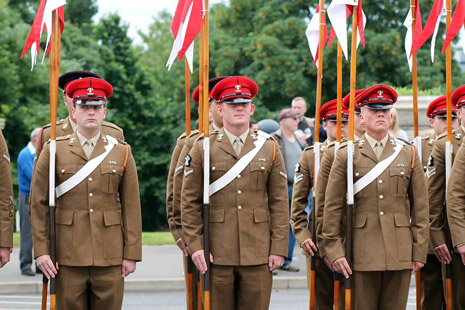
[
  {"x": 252, "y": 109},
  {"x": 219, "y": 106}
]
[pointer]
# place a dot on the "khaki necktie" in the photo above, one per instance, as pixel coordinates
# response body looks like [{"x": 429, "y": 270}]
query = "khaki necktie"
[
  {"x": 88, "y": 148},
  {"x": 378, "y": 149},
  {"x": 237, "y": 145}
]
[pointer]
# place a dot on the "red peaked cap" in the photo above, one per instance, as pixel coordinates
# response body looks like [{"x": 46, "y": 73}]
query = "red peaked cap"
[
  {"x": 94, "y": 91},
  {"x": 212, "y": 83},
  {"x": 458, "y": 97},
  {"x": 438, "y": 107},
  {"x": 235, "y": 89},
  {"x": 329, "y": 111},
  {"x": 346, "y": 100},
  {"x": 377, "y": 97}
]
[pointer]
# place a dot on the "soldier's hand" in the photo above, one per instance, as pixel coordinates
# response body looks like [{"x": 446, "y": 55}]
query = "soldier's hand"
[
  {"x": 416, "y": 266},
  {"x": 5, "y": 255},
  {"x": 46, "y": 265},
  {"x": 198, "y": 257},
  {"x": 182, "y": 245},
  {"x": 309, "y": 247},
  {"x": 443, "y": 254},
  {"x": 128, "y": 267},
  {"x": 275, "y": 262},
  {"x": 341, "y": 266},
  {"x": 328, "y": 263},
  {"x": 462, "y": 252}
]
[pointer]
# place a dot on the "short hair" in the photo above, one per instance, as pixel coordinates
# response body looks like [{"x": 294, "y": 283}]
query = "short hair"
[
  {"x": 35, "y": 133},
  {"x": 299, "y": 99}
]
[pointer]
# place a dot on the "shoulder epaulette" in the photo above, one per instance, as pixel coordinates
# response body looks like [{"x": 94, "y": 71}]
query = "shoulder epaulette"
[
  {"x": 402, "y": 141},
  {"x": 425, "y": 138},
  {"x": 122, "y": 141},
  {"x": 442, "y": 136},
  {"x": 59, "y": 122},
  {"x": 194, "y": 133},
  {"x": 111, "y": 125},
  {"x": 182, "y": 136},
  {"x": 344, "y": 144},
  {"x": 308, "y": 148},
  {"x": 61, "y": 138}
]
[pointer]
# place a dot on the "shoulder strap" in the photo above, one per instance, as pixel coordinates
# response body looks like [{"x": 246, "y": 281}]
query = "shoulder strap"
[
  {"x": 377, "y": 170},
  {"x": 240, "y": 165},
  {"x": 85, "y": 171}
]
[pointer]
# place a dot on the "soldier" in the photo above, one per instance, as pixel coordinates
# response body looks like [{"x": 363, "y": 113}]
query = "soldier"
[
  {"x": 68, "y": 125},
  {"x": 248, "y": 210},
  {"x": 7, "y": 210},
  {"x": 432, "y": 286},
  {"x": 389, "y": 238},
  {"x": 303, "y": 183},
  {"x": 98, "y": 216},
  {"x": 439, "y": 233}
]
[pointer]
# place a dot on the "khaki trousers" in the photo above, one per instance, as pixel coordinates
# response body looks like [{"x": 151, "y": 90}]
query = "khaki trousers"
[
  {"x": 324, "y": 285},
  {"x": 380, "y": 290},
  {"x": 92, "y": 288},
  {"x": 458, "y": 283},
  {"x": 432, "y": 288},
  {"x": 240, "y": 287}
]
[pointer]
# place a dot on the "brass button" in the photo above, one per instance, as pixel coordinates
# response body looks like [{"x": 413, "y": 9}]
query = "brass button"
[
  {"x": 63, "y": 170},
  {"x": 380, "y": 181},
  {"x": 381, "y": 213},
  {"x": 239, "y": 192},
  {"x": 91, "y": 195},
  {"x": 114, "y": 170},
  {"x": 91, "y": 210},
  {"x": 90, "y": 179},
  {"x": 357, "y": 174},
  {"x": 213, "y": 168},
  {"x": 263, "y": 168},
  {"x": 239, "y": 176},
  {"x": 381, "y": 197},
  {"x": 402, "y": 173},
  {"x": 239, "y": 207}
]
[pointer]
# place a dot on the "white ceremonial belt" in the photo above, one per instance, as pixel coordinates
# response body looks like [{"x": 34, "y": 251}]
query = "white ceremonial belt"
[
  {"x": 86, "y": 170},
  {"x": 374, "y": 173},
  {"x": 240, "y": 165}
]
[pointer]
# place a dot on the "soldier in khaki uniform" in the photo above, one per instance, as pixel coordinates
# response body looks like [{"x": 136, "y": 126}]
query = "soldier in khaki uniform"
[
  {"x": 390, "y": 238},
  {"x": 248, "y": 213},
  {"x": 303, "y": 183},
  {"x": 98, "y": 216},
  {"x": 432, "y": 286},
  {"x": 6, "y": 204},
  {"x": 437, "y": 195},
  {"x": 68, "y": 125}
]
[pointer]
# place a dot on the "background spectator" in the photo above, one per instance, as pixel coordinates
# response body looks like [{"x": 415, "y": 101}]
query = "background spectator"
[{"x": 394, "y": 130}]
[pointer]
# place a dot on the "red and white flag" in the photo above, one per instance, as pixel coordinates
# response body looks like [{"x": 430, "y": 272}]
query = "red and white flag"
[
  {"x": 431, "y": 27},
  {"x": 186, "y": 25},
  {"x": 409, "y": 23},
  {"x": 313, "y": 35},
  {"x": 332, "y": 35},
  {"x": 42, "y": 21},
  {"x": 337, "y": 13},
  {"x": 456, "y": 25}
]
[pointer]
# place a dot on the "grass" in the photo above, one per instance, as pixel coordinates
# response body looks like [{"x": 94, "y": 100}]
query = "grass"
[
  {"x": 148, "y": 238},
  {"x": 404, "y": 91}
]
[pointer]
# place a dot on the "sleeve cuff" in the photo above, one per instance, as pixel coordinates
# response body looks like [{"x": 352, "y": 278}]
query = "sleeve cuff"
[{"x": 133, "y": 252}]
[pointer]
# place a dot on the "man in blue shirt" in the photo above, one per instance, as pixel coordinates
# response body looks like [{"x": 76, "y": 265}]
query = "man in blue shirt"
[{"x": 25, "y": 166}]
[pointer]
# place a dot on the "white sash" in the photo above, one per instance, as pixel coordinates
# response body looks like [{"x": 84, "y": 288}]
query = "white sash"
[
  {"x": 240, "y": 165},
  {"x": 85, "y": 171},
  {"x": 377, "y": 170}
]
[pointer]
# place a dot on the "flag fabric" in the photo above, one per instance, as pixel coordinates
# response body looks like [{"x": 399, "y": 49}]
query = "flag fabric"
[
  {"x": 337, "y": 13},
  {"x": 409, "y": 23},
  {"x": 332, "y": 35},
  {"x": 186, "y": 25},
  {"x": 456, "y": 24},
  {"x": 313, "y": 35},
  {"x": 431, "y": 27},
  {"x": 42, "y": 21}
]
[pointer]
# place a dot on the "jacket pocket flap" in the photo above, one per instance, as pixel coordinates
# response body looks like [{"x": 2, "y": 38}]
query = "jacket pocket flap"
[
  {"x": 401, "y": 172},
  {"x": 260, "y": 216},
  {"x": 111, "y": 169},
  {"x": 68, "y": 168},
  {"x": 218, "y": 166},
  {"x": 401, "y": 220},
  {"x": 257, "y": 166},
  {"x": 216, "y": 215},
  {"x": 112, "y": 217},
  {"x": 360, "y": 221},
  {"x": 64, "y": 217}
]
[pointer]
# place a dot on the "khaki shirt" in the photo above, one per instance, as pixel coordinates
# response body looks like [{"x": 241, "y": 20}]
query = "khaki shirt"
[
  {"x": 387, "y": 233},
  {"x": 6, "y": 197},
  {"x": 437, "y": 184},
  {"x": 249, "y": 217},
  {"x": 98, "y": 222}
]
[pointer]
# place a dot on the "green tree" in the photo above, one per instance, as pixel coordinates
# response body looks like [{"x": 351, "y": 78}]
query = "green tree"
[{"x": 80, "y": 12}]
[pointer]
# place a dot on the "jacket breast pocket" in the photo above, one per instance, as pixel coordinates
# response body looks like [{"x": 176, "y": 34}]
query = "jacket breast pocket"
[
  {"x": 217, "y": 232},
  {"x": 64, "y": 172},
  {"x": 399, "y": 178},
  {"x": 217, "y": 170},
  {"x": 359, "y": 231},
  {"x": 112, "y": 234},
  {"x": 259, "y": 172},
  {"x": 403, "y": 237},
  {"x": 262, "y": 232},
  {"x": 111, "y": 177},
  {"x": 359, "y": 173},
  {"x": 64, "y": 233}
]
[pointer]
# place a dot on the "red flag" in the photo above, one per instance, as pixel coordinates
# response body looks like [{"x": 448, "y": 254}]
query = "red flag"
[
  {"x": 418, "y": 24},
  {"x": 34, "y": 33},
  {"x": 176, "y": 23},
  {"x": 360, "y": 21},
  {"x": 456, "y": 24},
  {"x": 430, "y": 27}
]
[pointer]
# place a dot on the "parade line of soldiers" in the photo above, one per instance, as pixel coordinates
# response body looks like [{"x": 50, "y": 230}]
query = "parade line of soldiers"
[{"x": 400, "y": 224}]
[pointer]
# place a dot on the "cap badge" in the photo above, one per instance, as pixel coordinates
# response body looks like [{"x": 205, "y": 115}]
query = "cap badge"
[
  {"x": 90, "y": 91},
  {"x": 238, "y": 88},
  {"x": 380, "y": 94},
  {"x": 220, "y": 137}
]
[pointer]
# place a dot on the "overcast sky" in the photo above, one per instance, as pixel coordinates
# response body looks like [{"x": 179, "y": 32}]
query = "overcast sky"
[{"x": 138, "y": 13}]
